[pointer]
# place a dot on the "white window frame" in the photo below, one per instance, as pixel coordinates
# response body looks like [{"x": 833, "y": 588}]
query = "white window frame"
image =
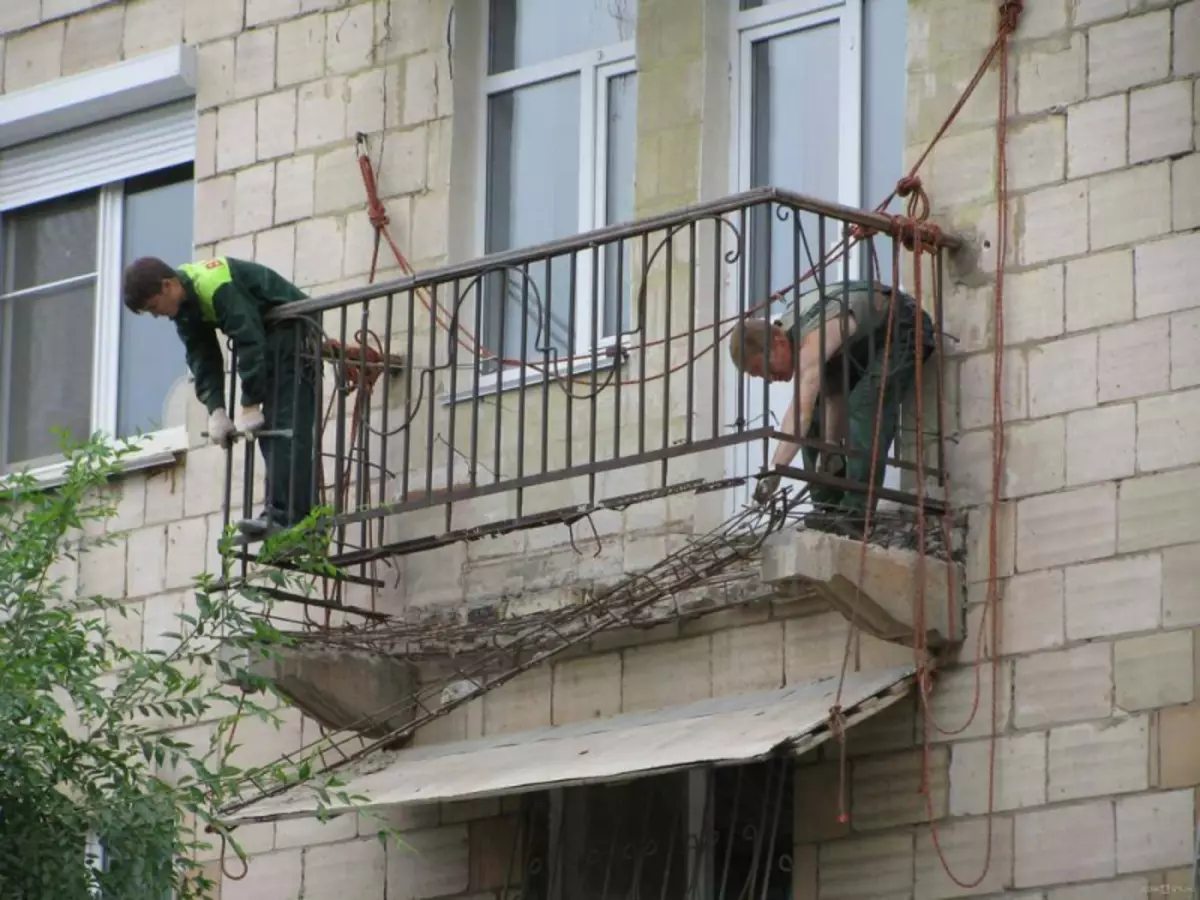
[
  {"x": 46, "y": 111},
  {"x": 751, "y": 26},
  {"x": 595, "y": 69}
]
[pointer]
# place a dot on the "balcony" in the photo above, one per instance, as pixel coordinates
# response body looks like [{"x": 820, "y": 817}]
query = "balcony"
[{"x": 581, "y": 394}]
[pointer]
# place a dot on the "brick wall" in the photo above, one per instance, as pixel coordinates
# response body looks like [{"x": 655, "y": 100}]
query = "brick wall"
[{"x": 1099, "y": 716}]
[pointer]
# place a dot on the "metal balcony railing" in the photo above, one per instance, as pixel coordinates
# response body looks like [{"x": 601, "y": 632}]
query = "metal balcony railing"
[{"x": 535, "y": 386}]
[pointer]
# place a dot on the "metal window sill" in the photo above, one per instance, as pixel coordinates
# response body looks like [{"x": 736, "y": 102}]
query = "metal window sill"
[{"x": 159, "y": 448}]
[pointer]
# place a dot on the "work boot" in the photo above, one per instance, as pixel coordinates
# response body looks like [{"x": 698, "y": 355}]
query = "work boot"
[{"x": 262, "y": 526}]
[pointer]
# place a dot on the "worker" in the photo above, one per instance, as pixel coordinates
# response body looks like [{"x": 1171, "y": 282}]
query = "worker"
[
  {"x": 276, "y": 365},
  {"x": 840, "y": 388}
]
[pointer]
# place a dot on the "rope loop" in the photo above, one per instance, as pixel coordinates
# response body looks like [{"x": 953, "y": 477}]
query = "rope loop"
[{"x": 1010, "y": 16}]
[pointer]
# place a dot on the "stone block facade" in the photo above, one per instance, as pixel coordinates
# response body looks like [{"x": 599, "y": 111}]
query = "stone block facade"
[{"x": 1098, "y": 670}]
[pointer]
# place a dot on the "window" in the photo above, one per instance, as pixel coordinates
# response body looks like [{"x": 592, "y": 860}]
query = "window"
[
  {"x": 86, "y": 187},
  {"x": 560, "y": 109},
  {"x": 820, "y": 99},
  {"x": 723, "y": 832},
  {"x": 71, "y": 355}
]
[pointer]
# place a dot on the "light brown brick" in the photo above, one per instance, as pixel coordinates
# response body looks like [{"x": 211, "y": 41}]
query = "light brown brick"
[
  {"x": 207, "y": 20},
  {"x": 152, "y": 25},
  {"x": 1159, "y": 510},
  {"x": 1092, "y": 760},
  {"x": 319, "y": 244},
  {"x": 1032, "y": 612},
  {"x": 1178, "y": 738},
  {"x": 367, "y": 107},
  {"x": 587, "y": 688},
  {"x": 1166, "y": 271},
  {"x": 321, "y": 113},
  {"x": 1099, "y": 290},
  {"x": 1096, "y": 136},
  {"x": 1181, "y": 596},
  {"x": 214, "y": 71},
  {"x": 1187, "y": 39},
  {"x": 214, "y": 209},
  {"x": 1101, "y": 444},
  {"x": 874, "y": 867},
  {"x": 294, "y": 188},
  {"x": 954, "y": 708},
  {"x": 1185, "y": 192},
  {"x": 260, "y": 11},
  {"x": 1156, "y": 831},
  {"x": 747, "y": 659},
  {"x": 1121, "y": 889},
  {"x": 355, "y": 869},
  {"x": 668, "y": 674},
  {"x": 93, "y": 40},
  {"x": 1067, "y": 843},
  {"x": 1020, "y": 779},
  {"x": 813, "y": 646},
  {"x": 33, "y": 57},
  {"x": 300, "y": 53},
  {"x": 349, "y": 38},
  {"x": 254, "y": 65},
  {"x": 1129, "y": 205},
  {"x": 1037, "y": 153},
  {"x": 816, "y": 791},
  {"x": 185, "y": 551},
  {"x": 1168, "y": 429},
  {"x": 1113, "y": 596},
  {"x": 963, "y": 845},
  {"x": 1129, "y": 52},
  {"x": 520, "y": 705},
  {"x": 1064, "y": 686},
  {"x": 1132, "y": 362},
  {"x": 1160, "y": 121},
  {"x": 1051, "y": 73},
  {"x": 435, "y": 863},
  {"x": 275, "y": 876},
  {"x": 147, "y": 562},
  {"x": 1063, "y": 376},
  {"x": 979, "y": 541},
  {"x": 309, "y": 831},
  {"x": 1053, "y": 222},
  {"x": 1033, "y": 305},
  {"x": 1067, "y": 527},
  {"x": 893, "y": 729},
  {"x": 1154, "y": 670},
  {"x": 976, "y": 381},
  {"x": 1035, "y": 457},
  {"x": 254, "y": 199},
  {"x": 885, "y": 791}
]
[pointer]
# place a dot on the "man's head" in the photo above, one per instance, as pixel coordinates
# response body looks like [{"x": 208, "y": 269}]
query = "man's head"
[
  {"x": 152, "y": 286},
  {"x": 762, "y": 349}
]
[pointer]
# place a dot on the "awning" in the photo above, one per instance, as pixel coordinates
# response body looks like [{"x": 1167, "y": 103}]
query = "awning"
[{"x": 727, "y": 731}]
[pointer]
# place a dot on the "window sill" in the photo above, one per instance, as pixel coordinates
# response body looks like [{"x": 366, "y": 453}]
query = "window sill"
[
  {"x": 161, "y": 448},
  {"x": 511, "y": 381}
]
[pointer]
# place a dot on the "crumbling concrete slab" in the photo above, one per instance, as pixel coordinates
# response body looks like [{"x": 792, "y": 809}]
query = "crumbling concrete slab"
[
  {"x": 885, "y": 602},
  {"x": 344, "y": 689}
]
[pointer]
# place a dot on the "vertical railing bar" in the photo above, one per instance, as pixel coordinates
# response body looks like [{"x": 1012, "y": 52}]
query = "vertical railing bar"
[
  {"x": 743, "y": 384},
  {"x": 719, "y": 275},
  {"x": 689, "y": 405},
  {"x": 748, "y": 889},
  {"x": 844, "y": 326},
  {"x": 643, "y": 324},
  {"x": 503, "y": 352},
  {"x": 298, "y": 361},
  {"x": 431, "y": 401},
  {"x": 385, "y": 413},
  {"x": 595, "y": 351},
  {"x": 547, "y": 375},
  {"x": 797, "y": 234},
  {"x": 767, "y": 422},
  {"x": 619, "y": 344},
  {"x": 770, "y": 857},
  {"x": 668, "y": 290},
  {"x": 737, "y": 799},
  {"x": 339, "y": 458},
  {"x": 409, "y": 414},
  {"x": 477, "y": 369},
  {"x": 573, "y": 301},
  {"x": 822, "y": 386},
  {"x": 938, "y": 342},
  {"x": 362, "y": 490},
  {"x": 520, "y": 448},
  {"x": 452, "y": 410}
]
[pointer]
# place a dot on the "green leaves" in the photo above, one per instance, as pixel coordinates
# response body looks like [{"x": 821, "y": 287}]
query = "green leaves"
[{"x": 130, "y": 747}]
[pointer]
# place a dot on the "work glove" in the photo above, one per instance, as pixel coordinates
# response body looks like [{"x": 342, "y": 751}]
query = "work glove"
[
  {"x": 220, "y": 428},
  {"x": 767, "y": 485},
  {"x": 251, "y": 420}
]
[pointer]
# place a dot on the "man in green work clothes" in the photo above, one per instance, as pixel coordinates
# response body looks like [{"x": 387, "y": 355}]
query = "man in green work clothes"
[
  {"x": 855, "y": 320},
  {"x": 278, "y": 384}
]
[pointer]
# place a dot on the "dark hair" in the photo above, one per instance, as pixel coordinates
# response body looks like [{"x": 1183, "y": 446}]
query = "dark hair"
[{"x": 143, "y": 280}]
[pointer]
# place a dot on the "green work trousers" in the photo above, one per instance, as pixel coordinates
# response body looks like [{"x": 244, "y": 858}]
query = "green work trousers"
[
  {"x": 291, "y": 404},
  {"x": 862, "y": 405}
]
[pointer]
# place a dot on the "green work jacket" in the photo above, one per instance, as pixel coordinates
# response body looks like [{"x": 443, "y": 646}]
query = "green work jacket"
[{"x": 233, "y": 296}]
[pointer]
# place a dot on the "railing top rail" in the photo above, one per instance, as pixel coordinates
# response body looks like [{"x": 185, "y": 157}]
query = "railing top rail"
[{"x": 598, "y": 236}]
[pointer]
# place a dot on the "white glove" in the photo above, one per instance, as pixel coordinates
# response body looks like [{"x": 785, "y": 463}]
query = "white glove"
[
  {"x": 220, "y": 428},
  {"x": 251, "y": 420}
]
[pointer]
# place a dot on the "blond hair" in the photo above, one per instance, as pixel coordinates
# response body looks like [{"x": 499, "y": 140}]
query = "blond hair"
[{"x": 750, "y": 338}]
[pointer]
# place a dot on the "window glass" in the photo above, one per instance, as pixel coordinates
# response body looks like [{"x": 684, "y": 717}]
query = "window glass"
[
  {"x": 885, "y": 99},
  {"x": 525, "y": 32},
  {"x": 794, "y": 145},
  {"x": 47, "y": 336},
  {"x": 621, "y": 114},
  {"x": 152, "y": 369},
  {"x": 533, "y": 196}
]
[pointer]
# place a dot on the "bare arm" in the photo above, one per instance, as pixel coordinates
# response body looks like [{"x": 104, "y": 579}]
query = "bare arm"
[{"x": 811, "y": 364}]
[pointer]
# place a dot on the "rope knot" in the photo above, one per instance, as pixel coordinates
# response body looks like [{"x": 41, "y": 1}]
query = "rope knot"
[
  {"x": 909, "y": 184},
  {"x": 1010, "y": 15}
]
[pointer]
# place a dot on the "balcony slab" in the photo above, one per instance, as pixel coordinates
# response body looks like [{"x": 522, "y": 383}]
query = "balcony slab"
[{"x": 884, "y": 601}]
